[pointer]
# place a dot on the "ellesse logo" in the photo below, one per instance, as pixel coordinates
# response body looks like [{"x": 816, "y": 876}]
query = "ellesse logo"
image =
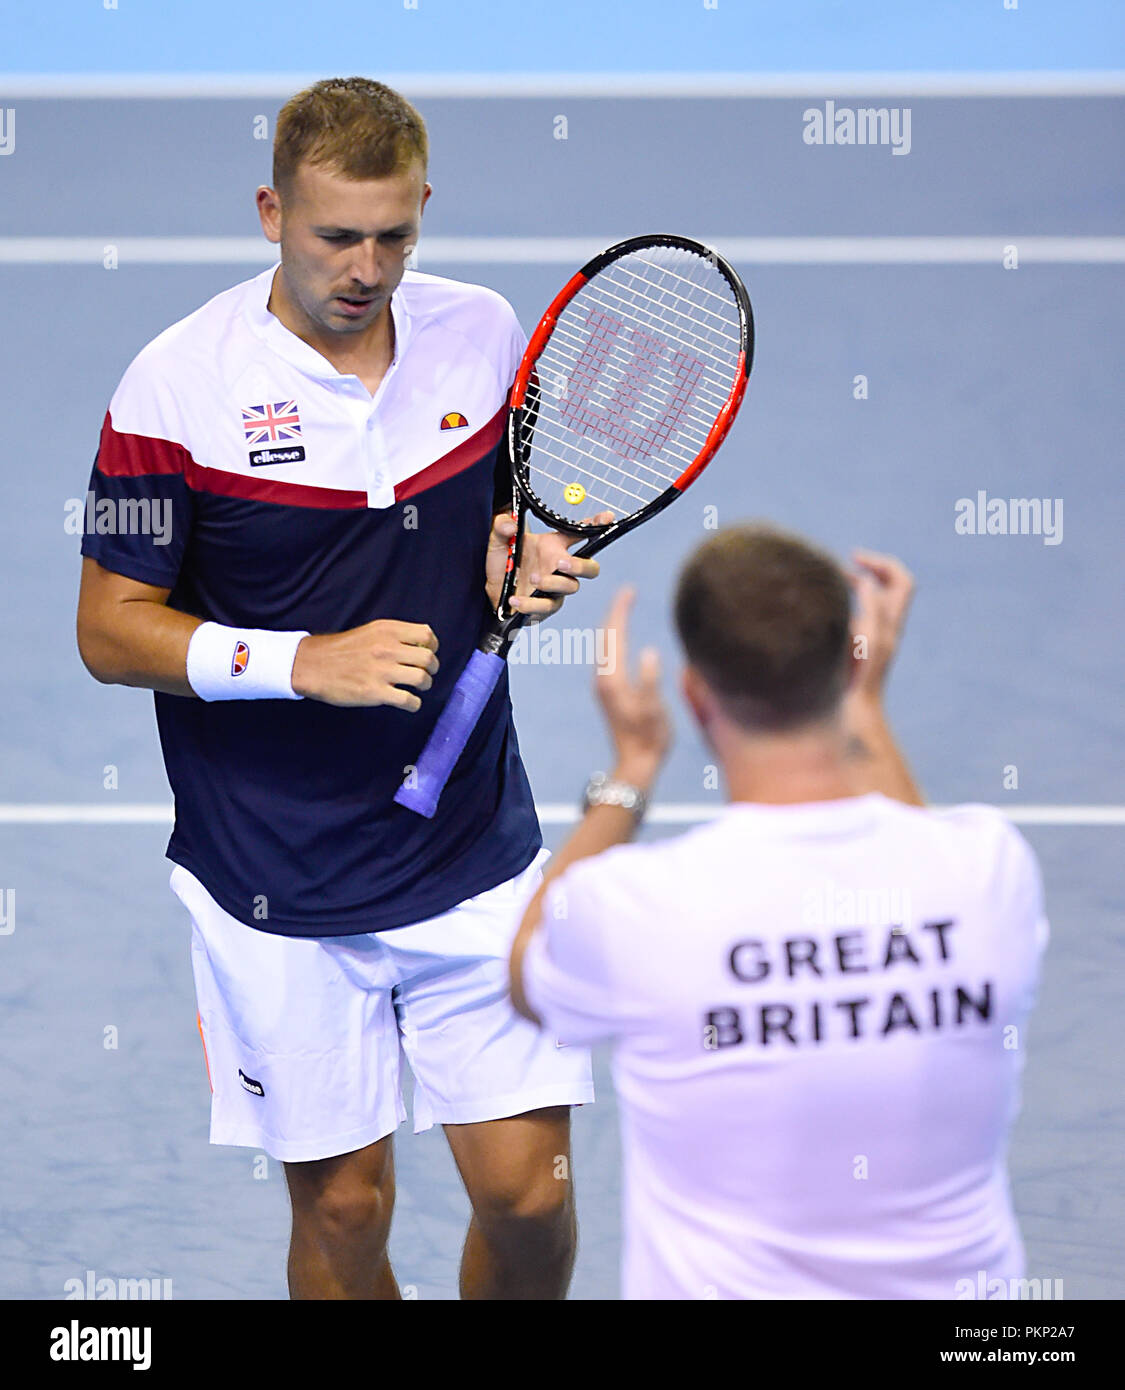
[
  {"x": 294, "y": 453},
  {"x": 454, "y": 421},
  {"x": 240, "y": 659}
]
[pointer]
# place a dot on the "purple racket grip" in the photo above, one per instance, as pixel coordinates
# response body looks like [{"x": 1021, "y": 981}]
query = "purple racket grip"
[{"x": 422, "y": 791}]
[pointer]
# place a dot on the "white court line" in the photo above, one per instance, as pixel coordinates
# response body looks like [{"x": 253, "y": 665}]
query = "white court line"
[
  {"x": 694, "y": 813},
  {"x": 571, "y": 251},
  {"x": 550, "y": 813},
  {"x": 85, "y": 813},
  {"x": 136, "y": 250},
  {"x": 486, "y": 85}
]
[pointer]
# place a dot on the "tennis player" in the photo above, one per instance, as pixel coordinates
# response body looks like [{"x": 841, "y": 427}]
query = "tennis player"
[
  {"x": 818, "y": 1001},
  {"x": 326, "y": 438}
]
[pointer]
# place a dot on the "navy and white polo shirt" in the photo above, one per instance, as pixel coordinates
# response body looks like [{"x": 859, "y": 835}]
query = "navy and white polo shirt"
[{"x": 284, "y": 496}]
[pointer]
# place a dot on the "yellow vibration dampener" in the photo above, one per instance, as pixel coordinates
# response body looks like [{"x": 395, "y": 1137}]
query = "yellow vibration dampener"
[{"x": 574, "y": 493}]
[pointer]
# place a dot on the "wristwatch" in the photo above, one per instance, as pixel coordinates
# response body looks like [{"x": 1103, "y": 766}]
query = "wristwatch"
[{"x": 604, "y": 791}]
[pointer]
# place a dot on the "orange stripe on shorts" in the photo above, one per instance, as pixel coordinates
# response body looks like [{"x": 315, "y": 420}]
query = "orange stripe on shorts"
[{"x": 206, "y": 1061}]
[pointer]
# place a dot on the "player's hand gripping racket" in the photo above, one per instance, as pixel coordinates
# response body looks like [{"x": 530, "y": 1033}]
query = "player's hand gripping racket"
[{"x": 627, "y": 388}]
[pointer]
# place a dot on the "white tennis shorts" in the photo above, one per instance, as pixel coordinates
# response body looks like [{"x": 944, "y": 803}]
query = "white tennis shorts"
[{"x": 302, "y": 1037}]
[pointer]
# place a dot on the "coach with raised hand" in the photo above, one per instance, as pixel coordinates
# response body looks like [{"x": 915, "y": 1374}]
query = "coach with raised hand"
[{"x": 818, "y": 1000}]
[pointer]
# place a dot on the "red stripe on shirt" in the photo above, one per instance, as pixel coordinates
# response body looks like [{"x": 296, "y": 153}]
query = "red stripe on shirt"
[
  {"x": 123, "y": 455},
  {"x": 136, "y": 455},
  {"x": 467, "y": 453},
  {"x": 221, "y": 484}
]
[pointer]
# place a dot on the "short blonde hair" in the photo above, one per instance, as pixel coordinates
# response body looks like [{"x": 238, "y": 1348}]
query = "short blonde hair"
[{"x": 353, "y": 125}]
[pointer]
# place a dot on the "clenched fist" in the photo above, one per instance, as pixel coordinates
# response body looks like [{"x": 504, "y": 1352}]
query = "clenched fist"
[{"x": 368, "y": 665}]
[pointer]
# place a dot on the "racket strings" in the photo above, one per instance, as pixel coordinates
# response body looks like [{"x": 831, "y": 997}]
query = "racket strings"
[
  {"x": 648, "y": 412},
  {"x": 631, "y": 381},
  {"x": 577, "y": 344},
  {"x": 626, "y": 307},
  {"x": 631, "y": 294},
  {"x": 569, "y": 466},
  {"x": 570, "y": 469},
  {"x": 664, "y": 476}
]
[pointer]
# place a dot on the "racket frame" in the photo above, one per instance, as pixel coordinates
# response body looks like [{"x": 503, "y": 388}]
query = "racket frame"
[{"x": 521, "y": 423}]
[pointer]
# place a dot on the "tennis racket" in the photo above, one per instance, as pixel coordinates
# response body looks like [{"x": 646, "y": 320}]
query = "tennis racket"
[{"x": 628, "y": 386}]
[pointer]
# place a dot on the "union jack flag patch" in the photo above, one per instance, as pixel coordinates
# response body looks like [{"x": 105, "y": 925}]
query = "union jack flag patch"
[{"x": 269, "y": 423}]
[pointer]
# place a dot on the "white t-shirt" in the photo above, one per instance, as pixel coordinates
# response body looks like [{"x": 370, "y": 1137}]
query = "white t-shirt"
[{"x": 813, "y": 1105}]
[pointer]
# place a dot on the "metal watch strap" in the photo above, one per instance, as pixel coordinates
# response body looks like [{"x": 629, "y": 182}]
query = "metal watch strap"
[{"x": 604, "y": 791}]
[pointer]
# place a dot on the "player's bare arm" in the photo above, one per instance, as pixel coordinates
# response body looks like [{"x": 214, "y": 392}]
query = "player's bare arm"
[
  {"x": 883, "y": 588},
  {"x": 127, "y": 635},
  {"x": 641, "y": 731}
]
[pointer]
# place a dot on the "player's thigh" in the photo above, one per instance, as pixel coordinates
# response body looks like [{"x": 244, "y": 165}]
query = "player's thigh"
[{"x": 518, "y": 1166}]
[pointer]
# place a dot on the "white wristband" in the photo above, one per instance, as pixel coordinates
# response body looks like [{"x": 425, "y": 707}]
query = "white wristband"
[{"x": 235, "y": 663}]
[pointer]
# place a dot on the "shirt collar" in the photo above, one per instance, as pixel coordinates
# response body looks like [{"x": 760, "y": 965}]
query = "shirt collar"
[
  {"x": 269, "y": 328},
  {"x": 852, "y": 813}
]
